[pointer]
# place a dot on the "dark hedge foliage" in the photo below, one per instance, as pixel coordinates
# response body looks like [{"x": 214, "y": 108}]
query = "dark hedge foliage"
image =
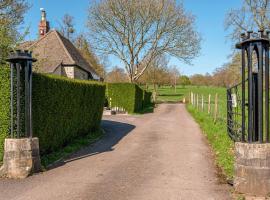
[
  {"x": 63, "y": 109},
  {"x": 4, "y": 106},
  {"x": 147, "y": 98},
  {"x": 128, "y": 96}
]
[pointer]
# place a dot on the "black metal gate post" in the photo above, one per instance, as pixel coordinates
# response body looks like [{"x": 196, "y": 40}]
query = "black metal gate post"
[
  {"x": 255, "y": 93},
  {"x": 21, "y": 63},
  {"x": 255, "y": 107},
  {"x": 258, "y": 96},
  {"x": 251, "y": 135}
]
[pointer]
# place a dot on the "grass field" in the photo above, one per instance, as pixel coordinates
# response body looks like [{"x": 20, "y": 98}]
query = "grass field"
[
  {"x": 216, "y": 132},
  {"x": 169, "y": 94}
]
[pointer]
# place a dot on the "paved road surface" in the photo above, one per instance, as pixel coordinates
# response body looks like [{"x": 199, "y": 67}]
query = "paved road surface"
[{"x": 160, "y": 156}]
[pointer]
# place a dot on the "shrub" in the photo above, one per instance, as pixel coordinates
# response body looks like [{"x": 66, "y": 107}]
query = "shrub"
[
  {"x": 4, "y": 107},
  {"x": 63, "y": 109},
  {"x": 128, "y": 96},
  {"x": 147, "y": 98}
]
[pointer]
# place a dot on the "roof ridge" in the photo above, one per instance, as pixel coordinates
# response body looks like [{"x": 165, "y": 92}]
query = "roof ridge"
[
  {"x": 59, "y": 37},
  {"x": 63, "y": 40},
  {"x": 37, "y": 41}
]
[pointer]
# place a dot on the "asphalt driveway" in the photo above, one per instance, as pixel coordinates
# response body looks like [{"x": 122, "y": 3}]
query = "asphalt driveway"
[{"x": 157, "y": 156}]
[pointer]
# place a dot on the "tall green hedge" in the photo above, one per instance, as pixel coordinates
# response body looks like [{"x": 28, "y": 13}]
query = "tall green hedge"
[
  {"x": 62, "y": 109},
  {"x": 147, "y": 98},
  {"x": 4, "y": 107},
  {"x": 128, "y": 96}
]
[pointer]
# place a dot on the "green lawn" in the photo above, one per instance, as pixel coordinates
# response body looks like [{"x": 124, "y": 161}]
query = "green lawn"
[
  {"x": 216, "y": 132},
  {"x": 169, "y": 94}
]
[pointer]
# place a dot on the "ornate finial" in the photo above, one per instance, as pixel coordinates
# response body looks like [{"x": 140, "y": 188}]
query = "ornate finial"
[
  {"x": 261, "y": 31},
  {"x": 43, "y": 14},
  {"x": 243, "y": 36}
]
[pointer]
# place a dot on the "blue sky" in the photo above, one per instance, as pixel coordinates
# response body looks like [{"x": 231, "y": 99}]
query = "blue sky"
[{"x": 210, "y": 14}]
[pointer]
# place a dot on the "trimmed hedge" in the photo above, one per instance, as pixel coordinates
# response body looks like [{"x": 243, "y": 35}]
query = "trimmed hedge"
[
  {"x": 147, "y": 98},
  {"x": 128, "y": 96},
  {"x": 4, "y": 107},
  {"x": 63, "y": 109}
]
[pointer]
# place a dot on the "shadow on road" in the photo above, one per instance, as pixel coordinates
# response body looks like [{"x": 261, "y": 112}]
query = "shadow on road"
[{"x": 114, "y": 132}]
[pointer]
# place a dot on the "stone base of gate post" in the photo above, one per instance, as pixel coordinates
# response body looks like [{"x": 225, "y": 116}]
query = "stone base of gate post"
[
  {"x": 21, "y": 158},
  {"x": 252, "y": 169}
]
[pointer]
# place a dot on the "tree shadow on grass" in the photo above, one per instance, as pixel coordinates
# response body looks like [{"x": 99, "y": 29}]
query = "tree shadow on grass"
[{"x": 114, "y": 132}]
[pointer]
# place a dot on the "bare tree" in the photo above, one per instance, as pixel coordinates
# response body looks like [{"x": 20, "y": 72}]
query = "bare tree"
[
  {"x": 226, "y": 76},
  {"x": 137, "y": 32},
  {"x": 157, "y": 74},
  {"x": 67, "y": 26},
  {"x": 253, "y": 15},
  {"x": 117, "y": 75},
  {"x": 174, "y": 76}
]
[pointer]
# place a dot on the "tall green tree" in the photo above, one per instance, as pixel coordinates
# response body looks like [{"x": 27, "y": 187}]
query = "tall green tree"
[
  {"x": 184, "y": 80},
  {"x": 11, "y": 16}
]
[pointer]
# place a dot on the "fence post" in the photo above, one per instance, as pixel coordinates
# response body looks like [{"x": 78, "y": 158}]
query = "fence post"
[
  {"x": 194, "y": 99},
  {"x": 209, "y": 104},
  {"x": 194, "y": 96},
  {"x": 197, "y": 101},
  {"x": 216, "y": 108},
  {"x": 202, "y": 103}
]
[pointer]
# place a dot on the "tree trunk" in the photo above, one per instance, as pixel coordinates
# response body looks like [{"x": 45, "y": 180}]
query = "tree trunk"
[{"x": 155, "y": 92}]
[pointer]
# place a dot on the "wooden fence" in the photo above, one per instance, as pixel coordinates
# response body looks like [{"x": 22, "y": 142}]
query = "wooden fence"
[{"x": 208, "y": 104}]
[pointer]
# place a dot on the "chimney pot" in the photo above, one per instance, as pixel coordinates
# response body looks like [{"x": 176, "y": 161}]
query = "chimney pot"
[{"x": 44, "y": 25}]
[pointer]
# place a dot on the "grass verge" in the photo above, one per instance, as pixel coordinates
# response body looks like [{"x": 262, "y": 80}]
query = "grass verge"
[
  {"x": 75, "y": 145},
  {"x": 220, "y": 142}
]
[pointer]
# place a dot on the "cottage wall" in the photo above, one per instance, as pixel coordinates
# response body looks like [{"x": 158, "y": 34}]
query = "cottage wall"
[
  {"x": 80, "y": 74},
  {"x": 58, "y": 71},
  {"x": 68, "y": 72}
]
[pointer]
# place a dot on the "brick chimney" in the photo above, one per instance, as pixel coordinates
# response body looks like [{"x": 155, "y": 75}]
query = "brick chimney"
[{"x": 44, "y": 25}]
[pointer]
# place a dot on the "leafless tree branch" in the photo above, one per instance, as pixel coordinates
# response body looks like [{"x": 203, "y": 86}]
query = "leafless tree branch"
[{"x": 139, "y": 31}]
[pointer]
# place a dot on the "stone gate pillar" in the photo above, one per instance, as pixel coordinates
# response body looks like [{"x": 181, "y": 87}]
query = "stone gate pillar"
[{"x": 21, "y": 150}]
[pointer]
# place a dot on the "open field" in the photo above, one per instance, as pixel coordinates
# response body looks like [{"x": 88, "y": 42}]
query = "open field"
[
  {"x": 216, "y": 132},
  {"x": 169, "y": 94}
]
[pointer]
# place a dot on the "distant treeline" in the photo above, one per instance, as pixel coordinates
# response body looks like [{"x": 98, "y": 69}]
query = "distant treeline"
[{"x": 225, "y": 76}]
